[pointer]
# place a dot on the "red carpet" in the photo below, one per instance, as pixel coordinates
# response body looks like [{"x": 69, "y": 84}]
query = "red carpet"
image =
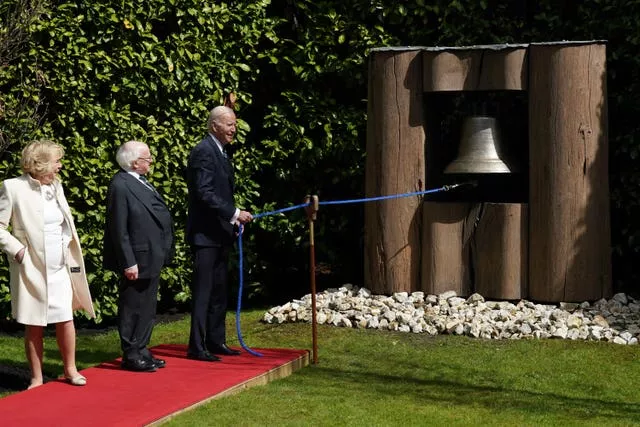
[{"x": 114, "y": 397}]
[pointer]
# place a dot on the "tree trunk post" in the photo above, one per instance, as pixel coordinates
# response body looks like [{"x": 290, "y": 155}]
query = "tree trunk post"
[
  {"x": 395, "y": 164},
  {"x": 569, "y": 246}
]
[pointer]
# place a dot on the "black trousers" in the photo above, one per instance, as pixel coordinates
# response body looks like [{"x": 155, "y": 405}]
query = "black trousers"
[
  {"x": 137, "y": 313},
  {"x": 208, "y": 298}
]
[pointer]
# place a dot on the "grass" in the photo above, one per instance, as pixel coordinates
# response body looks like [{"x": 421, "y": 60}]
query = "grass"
[{"x": 374, "y": 378}]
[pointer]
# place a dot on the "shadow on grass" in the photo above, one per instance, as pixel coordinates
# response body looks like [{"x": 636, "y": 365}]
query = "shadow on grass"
[{"x": 449, "y": 392}]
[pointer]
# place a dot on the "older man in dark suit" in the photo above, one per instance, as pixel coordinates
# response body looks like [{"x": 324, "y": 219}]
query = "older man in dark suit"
[
  {"x": 210, "y": 232},
  {"x": 138, "y": 242}
]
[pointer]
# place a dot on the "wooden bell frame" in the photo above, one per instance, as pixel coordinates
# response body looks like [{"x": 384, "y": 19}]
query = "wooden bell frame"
[{"x": 552, "y": 242}]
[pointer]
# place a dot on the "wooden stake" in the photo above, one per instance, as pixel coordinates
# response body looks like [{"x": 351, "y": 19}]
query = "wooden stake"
[{"x": 312, "y": 210}]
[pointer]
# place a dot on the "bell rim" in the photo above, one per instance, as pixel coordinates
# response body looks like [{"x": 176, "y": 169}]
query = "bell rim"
[{"x": 486, "y": 166}]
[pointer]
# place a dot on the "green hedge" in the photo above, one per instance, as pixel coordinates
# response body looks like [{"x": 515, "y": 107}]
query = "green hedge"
[
  {"x": 136, "y": 70},
  {"x": 111, "y": 71}
]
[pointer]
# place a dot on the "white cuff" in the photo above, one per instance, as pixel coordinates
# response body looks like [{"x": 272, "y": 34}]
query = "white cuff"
[{"x": 235, "y": 216}]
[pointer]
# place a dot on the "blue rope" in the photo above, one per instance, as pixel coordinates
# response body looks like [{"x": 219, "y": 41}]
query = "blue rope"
[
  {"x": 290, "y": 208},
  {"x": 392, "y": 196},
  {"x": 241, "y": 279}
]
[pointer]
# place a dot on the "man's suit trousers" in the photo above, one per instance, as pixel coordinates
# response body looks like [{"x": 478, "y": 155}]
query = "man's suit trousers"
[
  {"x": 209, "y": 297},
  {"x": 137, "y": 311}
]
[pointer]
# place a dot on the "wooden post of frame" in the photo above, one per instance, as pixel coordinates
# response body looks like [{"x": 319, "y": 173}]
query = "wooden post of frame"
[
  {"x": 395, "y": 164},
  {"x": 569, "y": 236}
]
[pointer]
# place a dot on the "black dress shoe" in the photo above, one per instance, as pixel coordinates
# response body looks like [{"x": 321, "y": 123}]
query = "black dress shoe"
[
  {"x": 205, "y": 357},
  {"x": 157, "y": 363},
  {"x": 223, "y": 349},
  {"x": 138, "y": 365}
]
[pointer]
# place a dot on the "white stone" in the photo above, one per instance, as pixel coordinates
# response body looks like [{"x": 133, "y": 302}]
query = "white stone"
[
  {"x": 431, "y": 299},
  {"x": 569, "y": 306},
  {"x": 390, "y": 315},
  {"x": 473, "y": 330},
  {"x": 559, "y": 315},
  {"x": 626, "y": 336},
  {"x": 621, "y": 298},
  {"x": 600, "y": 321},
  {"x": 573, "y": 334},
  {"x": 560, "y": 332},
  {"x": 364, "y": 292},
  {"x": 373, "y": 323},
  {"x": 384, "y": 324},
  {"x": 274, "y": 310},
  {"x": 525, "y": 329},
  {"x": 431, "y": 330},
  {"x": 418, "y": 296},
  {"x": 595, "y": 333},
  {"x": 475, "y": 298},
  {"x": 452, "y": 326},
  {"x": 574, "y": 321},
  {"x": 616, "y": 320},
  {"x": 403, "y": 318},
  {"x": 619, "y": 340},
  {"x": 456, "y": 301},
  {"x": 321, "y": 318},
  {"x": 401, "y": 296},
  {"x": 448, "y": 294}
]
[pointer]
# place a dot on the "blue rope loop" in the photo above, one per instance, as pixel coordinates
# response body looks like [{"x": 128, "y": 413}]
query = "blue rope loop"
[
  {"x": 241, "y": 280},
  {"x": 302, "y": 205}
]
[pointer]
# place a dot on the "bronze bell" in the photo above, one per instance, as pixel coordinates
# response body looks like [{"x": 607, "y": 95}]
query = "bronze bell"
[{"x": 479, "y": 147}]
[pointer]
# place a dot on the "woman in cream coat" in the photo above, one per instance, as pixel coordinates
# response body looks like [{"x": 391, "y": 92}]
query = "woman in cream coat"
[{"x": 47, "y": 273}]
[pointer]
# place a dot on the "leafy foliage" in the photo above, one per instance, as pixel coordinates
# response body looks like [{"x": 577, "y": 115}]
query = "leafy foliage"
[{"x": 150, "y": 72}]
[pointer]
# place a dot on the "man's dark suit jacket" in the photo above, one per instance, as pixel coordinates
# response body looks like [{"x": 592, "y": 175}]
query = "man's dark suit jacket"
[
  {"x": 138, "y": 230},
  {"x": 211, "y": 206}
]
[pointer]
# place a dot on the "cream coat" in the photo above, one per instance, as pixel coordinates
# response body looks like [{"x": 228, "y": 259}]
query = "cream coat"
[{"x": 21, "y": 207}]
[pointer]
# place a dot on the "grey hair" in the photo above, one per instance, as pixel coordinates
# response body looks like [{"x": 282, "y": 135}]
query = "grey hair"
[
  {"x": 216, "y": 113},
  {"x": 128, "y": 153}
]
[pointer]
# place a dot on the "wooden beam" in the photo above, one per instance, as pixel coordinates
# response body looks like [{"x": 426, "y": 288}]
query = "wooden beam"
[{"x": 475, "y": 69}]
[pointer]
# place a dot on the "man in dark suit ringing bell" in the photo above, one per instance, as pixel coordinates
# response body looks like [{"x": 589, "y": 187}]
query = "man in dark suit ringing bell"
[
  {"x": 210, "y": 232},
  {"x": 138, "y": 242}
]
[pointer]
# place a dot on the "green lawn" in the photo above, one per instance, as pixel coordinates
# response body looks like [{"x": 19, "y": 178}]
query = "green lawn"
[{"x": 373, "y": 378}]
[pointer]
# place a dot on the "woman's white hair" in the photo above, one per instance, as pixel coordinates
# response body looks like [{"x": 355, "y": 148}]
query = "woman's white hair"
[
  {"x": 39, "y": 156},
  {"x": 128, "y": 153}
]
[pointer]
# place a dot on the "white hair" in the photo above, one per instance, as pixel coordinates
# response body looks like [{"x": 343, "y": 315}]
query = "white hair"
[
  {"x": 128, "y": 153},
  {"x": 216, "y": 113}
]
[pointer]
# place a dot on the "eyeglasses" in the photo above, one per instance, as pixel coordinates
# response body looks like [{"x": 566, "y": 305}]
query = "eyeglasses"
[{"x": 146, "y": 159}]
